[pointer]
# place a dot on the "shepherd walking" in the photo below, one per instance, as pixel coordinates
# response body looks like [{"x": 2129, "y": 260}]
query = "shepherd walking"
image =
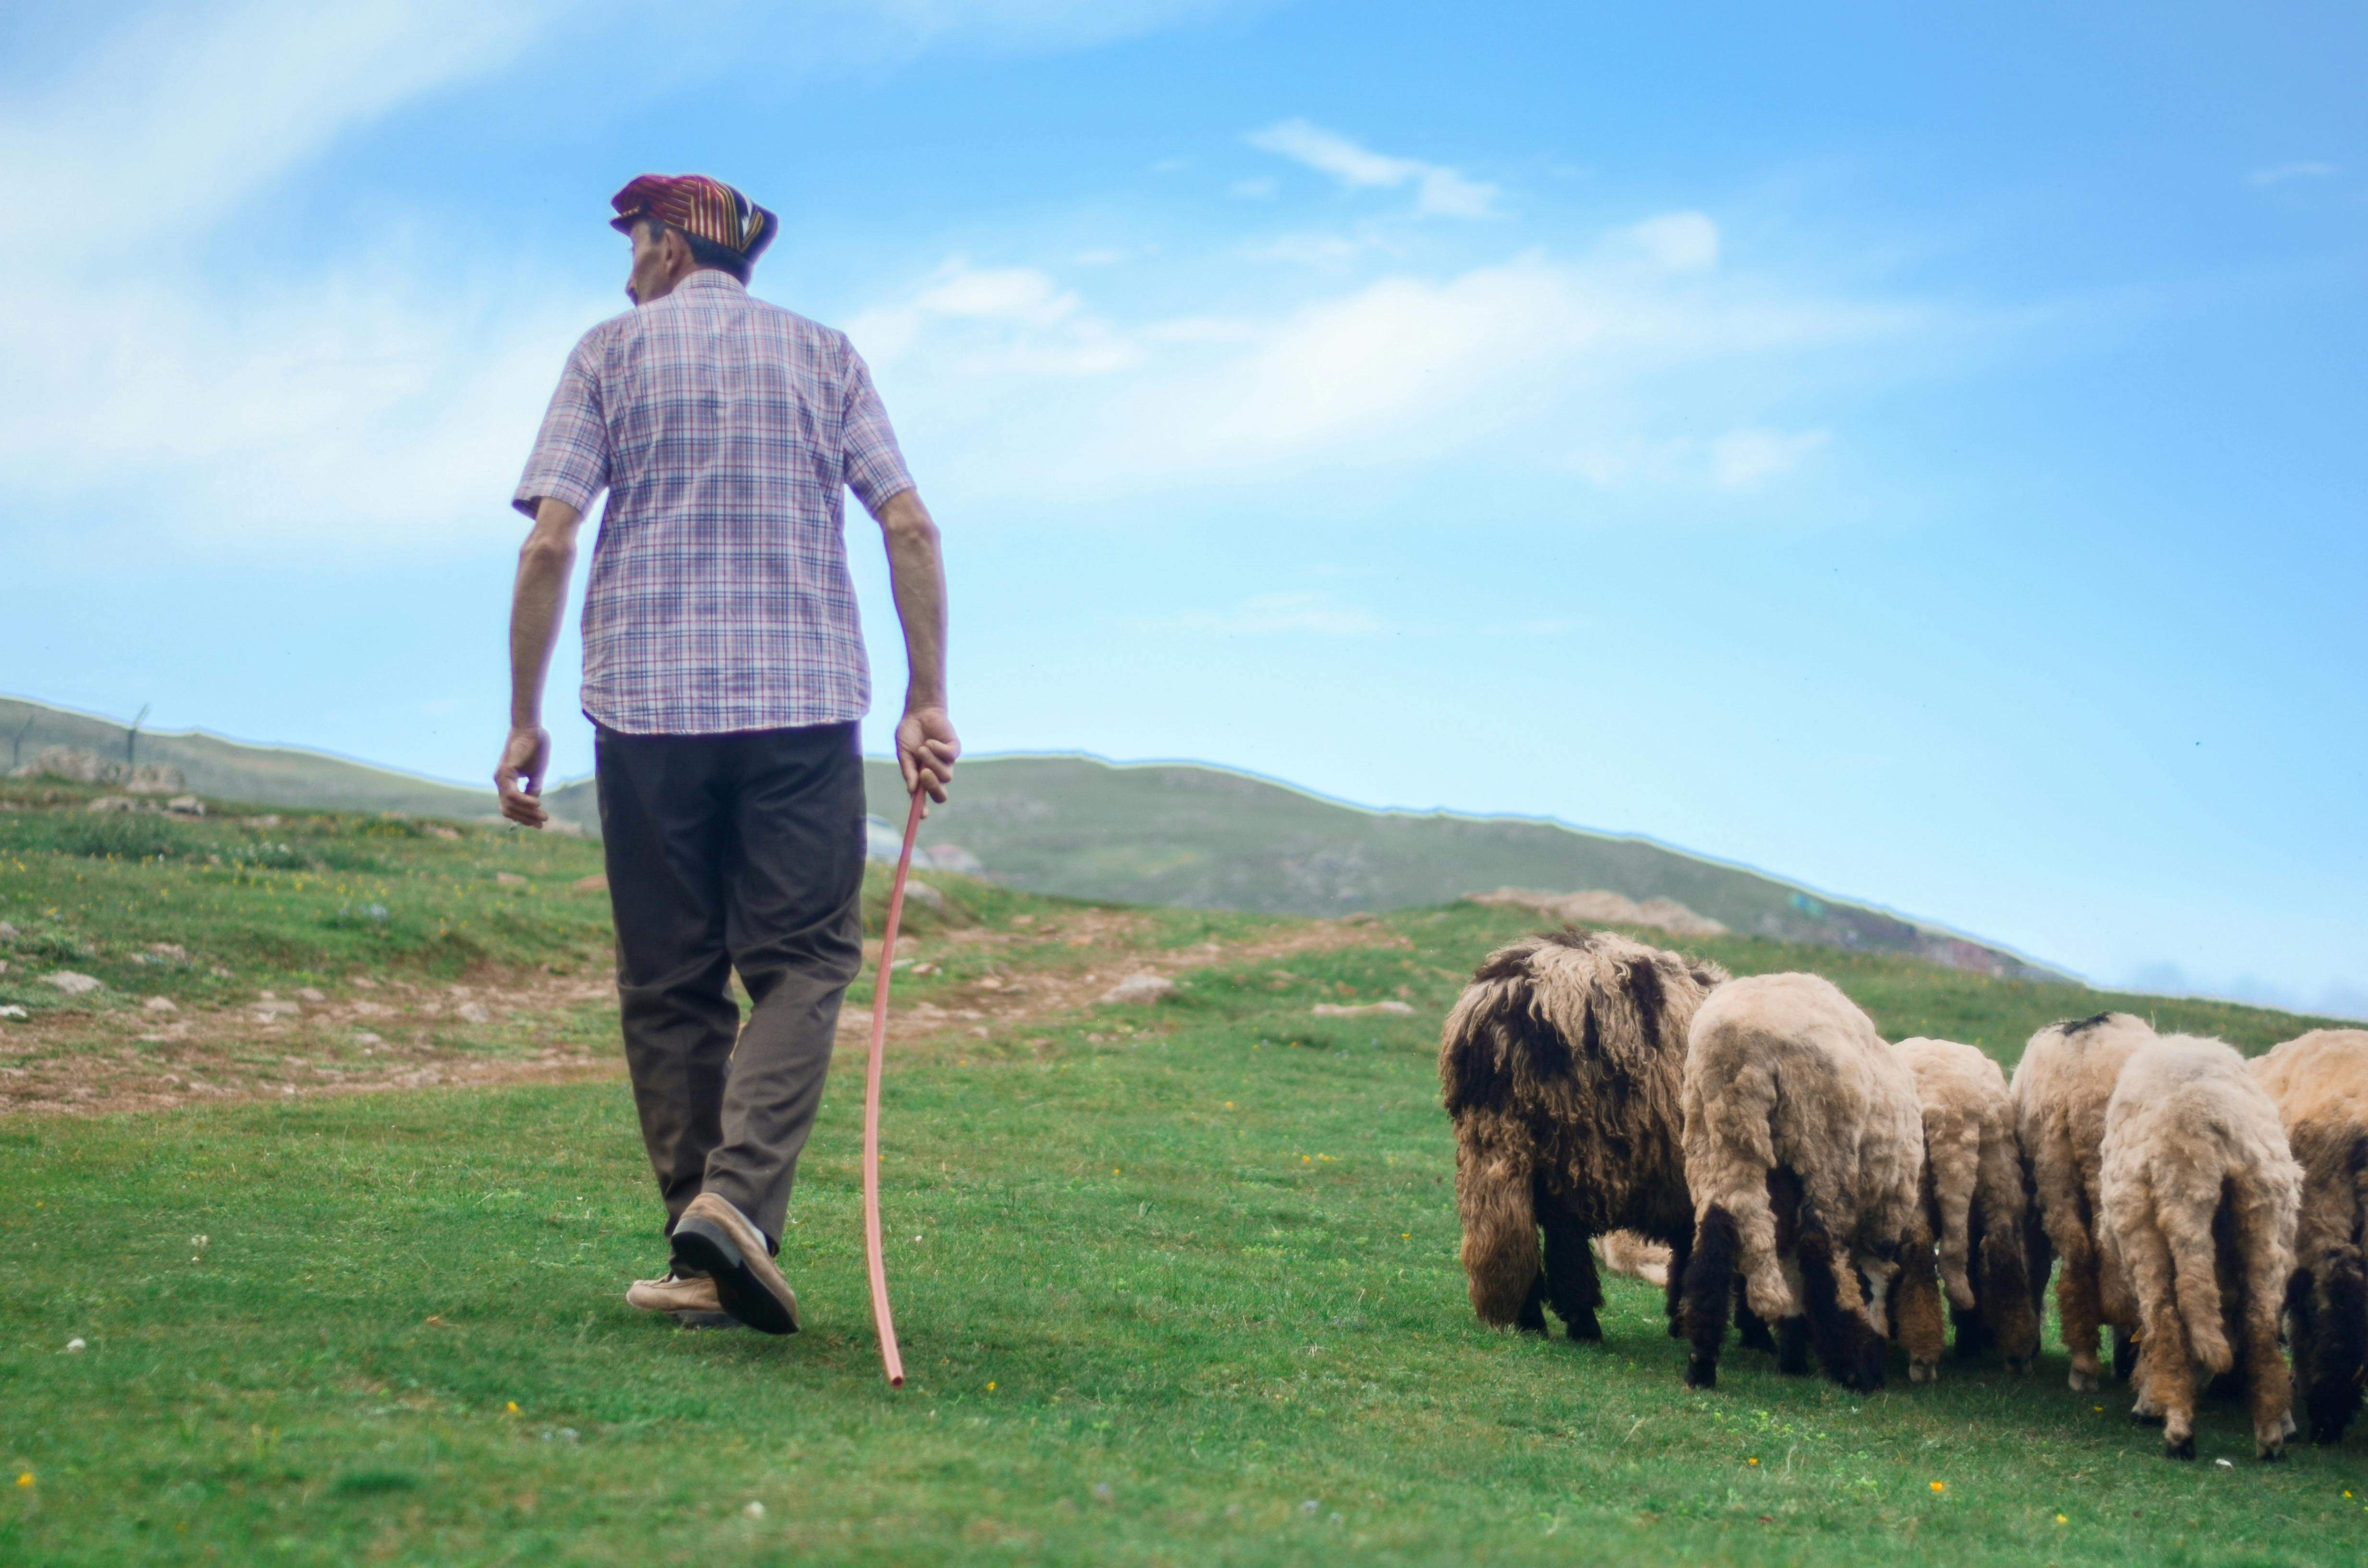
[{"x": 725, "y": 674}]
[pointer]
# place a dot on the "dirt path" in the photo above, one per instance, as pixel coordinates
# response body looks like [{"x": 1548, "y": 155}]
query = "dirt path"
[{"x": 380, "y": 1033}]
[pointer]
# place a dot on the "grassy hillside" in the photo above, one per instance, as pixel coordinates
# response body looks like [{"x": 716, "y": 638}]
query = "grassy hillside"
[
  {"x": 269, "y": 775},
  {"x": 1206, "y": 839},
  {"x": 1176, "y": 1283}
]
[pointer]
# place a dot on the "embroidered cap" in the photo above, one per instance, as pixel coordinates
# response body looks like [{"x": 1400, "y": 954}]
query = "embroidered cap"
[{"x": 697, "y": 205}]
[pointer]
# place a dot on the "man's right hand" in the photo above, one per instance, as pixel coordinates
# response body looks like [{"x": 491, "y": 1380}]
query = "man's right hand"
[
  {"x": 525, "y": 757},
  {"x": 926, "y": 749}
]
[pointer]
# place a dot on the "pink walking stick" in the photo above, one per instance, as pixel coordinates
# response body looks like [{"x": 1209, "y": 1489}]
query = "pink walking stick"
[{"x": 881, "y": 1316}]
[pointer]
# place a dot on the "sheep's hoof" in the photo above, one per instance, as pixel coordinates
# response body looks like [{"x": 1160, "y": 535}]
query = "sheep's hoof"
[
  {"x": 2019, "y": 1365},
  {"x": 2143, "y": 1417},
  {"x": 2269, "y": 1452},
  {"x": 1923, "y": 1371},
  {"x": 2327, "y": 1434},
  {"x": 1701, "y": 1374},
  {"x": 1583, "y": 1328},
  {"x": 2179, "y": 1448},
  {"x": 2084, "y": 1381}
]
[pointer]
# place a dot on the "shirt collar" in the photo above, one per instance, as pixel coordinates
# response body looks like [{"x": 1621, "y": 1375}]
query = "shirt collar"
[{"x": 709, "y": 278}]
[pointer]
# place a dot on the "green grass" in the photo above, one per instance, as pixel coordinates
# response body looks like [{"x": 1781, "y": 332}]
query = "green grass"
[{"x": 1166, "y": 1278}]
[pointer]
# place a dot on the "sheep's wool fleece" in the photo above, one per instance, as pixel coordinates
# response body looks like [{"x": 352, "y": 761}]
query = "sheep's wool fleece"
[
  {"x": 2061, "y": 1087},
  {"x": 2319, "y": 1082},
  {"x": 1970, "y": 1151},
  {"x": 1846, "y": 1122},
  {"x": 2187, "y": 1126}
]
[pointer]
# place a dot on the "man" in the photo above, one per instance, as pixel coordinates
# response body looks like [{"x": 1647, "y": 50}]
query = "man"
[{"x": 724, "y": 670}]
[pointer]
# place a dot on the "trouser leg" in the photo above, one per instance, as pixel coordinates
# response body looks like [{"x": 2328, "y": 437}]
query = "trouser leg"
[
  {"x": 665, "y": 827},
  {"x": 795, "y": 927}
]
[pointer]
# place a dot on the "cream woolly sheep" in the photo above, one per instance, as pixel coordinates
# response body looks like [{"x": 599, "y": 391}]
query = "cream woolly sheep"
[
  {"x": 1804, "y": 1144},
  {"x": 1973, "y": 1204},
  {"x": 2320, "y": 1084},
  {"x": 2200, "y": 1197},
  {"x": 1559, "y": 1069},
  {"x": 2060, "y": 1089}
]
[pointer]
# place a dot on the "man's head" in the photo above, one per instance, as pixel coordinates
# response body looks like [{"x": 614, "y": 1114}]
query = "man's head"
[{"x": 679, "y": 225}]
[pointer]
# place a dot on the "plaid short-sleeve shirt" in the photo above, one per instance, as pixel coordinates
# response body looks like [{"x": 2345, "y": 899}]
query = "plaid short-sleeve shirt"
[{"x": 726, "y": 431}]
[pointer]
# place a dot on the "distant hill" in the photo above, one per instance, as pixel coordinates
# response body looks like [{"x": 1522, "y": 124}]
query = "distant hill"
[
  {"x": 1166, "y": 834},
  {"x": 233, "y": 770},
  {"x": 1204, "y": 837}
]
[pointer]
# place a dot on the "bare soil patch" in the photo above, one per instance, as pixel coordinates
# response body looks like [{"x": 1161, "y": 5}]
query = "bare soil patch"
[{"x": 378, "y": 1032}]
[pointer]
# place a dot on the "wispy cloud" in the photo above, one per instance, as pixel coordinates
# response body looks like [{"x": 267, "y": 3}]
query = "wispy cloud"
[
  {"x": 1439, "y": 191},
  {"x": 2286, "y": 173},
  {"x": 1403, "y": 368},
  {"x": 1743, "y": 457}
]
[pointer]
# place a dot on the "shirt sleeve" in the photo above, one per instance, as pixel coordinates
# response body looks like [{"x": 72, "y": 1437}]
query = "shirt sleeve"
[
  {"x": 875, "y": 468},
  {"x": 570, "y": 461}
]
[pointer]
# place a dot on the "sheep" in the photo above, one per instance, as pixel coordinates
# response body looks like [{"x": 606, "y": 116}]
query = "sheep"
[
  {"x": 1973, "y": 1204},
  {"x": 1805, "y": 1189},
  {"x": 2060, "y": 1089},
  {"x": 2200, "y": 1197},
  {"x": 1559, "y": 1069},
  {"x": 2319, "y": 1082}
]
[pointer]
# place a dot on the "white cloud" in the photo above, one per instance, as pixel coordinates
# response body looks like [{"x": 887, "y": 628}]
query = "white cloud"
[
  {"x": 1743, "y": 457},
  {"x": 1269, "y": 615},
  {"x": 1438, "y": 190},
  {"x": 2281, "y": 174},
  {"x": 174, "y": 118},
  {"x": 1522, "y": 354},
  {"x": 988, "y": 322},
  {"x": 1682, "y": 242}
]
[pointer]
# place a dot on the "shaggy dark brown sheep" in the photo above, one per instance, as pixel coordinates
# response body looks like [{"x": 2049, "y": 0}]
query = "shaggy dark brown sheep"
[
  {"x": 2200, "y": 1196},
  {"x": 1559, "y": 1069},
  {"x": 2060, "y": 1090},
  {"x": 1974, "y": 1207},
  {"x": 2320, "y": 1084},
  {"x": 1804, "y": 1144}
]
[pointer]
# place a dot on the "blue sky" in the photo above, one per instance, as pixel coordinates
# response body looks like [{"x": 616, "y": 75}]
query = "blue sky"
[{"x": 1914, "y": 451}]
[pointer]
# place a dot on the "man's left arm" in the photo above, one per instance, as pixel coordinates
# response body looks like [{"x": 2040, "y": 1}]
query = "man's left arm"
[{"x": 545, "y": 563}]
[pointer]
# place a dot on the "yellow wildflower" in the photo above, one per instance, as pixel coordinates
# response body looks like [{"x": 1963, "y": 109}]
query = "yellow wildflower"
[
  {"x": 990, "y": 1385},
  {"x": 512, "y": 1407},
  {"x": 24, "y": 1478},
  {"x": 2062, "y": 1520},
  {"x": 1753, "y": 1460},
  {"x": 1939, "y": 1487}
]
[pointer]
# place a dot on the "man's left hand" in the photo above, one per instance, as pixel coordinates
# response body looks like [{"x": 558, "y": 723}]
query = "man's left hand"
[
  {"x": 520, "y": 777},
  {"x": 926, "y": 749}
]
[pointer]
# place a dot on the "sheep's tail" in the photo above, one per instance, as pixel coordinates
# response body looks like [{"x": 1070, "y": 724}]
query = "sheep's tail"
[
  {"x": 1956, "y": 1172},
  {"x": 1739, "y": 1149},
  {"x": 2189, "y": 1229}
]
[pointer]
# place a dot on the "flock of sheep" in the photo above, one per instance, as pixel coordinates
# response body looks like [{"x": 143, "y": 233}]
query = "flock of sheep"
[{"x": 1825, "y": 1189}]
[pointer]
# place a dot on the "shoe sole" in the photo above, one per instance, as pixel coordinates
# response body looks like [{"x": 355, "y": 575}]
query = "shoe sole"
[
  {"x": 689, "y": 1317},
  {"x": 706, "y": 1246}
]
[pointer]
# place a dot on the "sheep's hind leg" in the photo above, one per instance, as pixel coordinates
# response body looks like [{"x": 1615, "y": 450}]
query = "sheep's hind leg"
[
  {"x": 1847, "y": 1344},
  {"x": 1681, "y": 1252},
  {"x": 1920, "y": 1313},
  {"x": 1710, "y": 1286},
  {"x": 2077, "y": 1316},
  {"x": 1792, "y": 1358},
  {"x": 1573, "y": 1288}
]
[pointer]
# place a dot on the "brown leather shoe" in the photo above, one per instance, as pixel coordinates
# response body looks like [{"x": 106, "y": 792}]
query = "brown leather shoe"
[
  {"x": 690, "y": 1301},
  {"x": 714, "y": 1235}
]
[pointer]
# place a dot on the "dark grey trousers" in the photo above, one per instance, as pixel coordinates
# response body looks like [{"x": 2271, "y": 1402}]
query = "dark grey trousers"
[{"x": 738, "y": 851}]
